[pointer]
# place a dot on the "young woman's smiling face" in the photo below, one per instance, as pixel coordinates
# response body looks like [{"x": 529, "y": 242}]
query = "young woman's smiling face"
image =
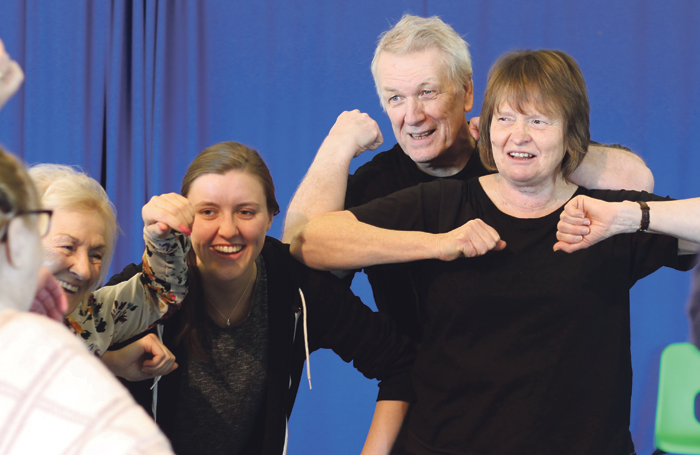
[
  {"x": 230, "y": 224},
  {"x": 73, "y": 251}
]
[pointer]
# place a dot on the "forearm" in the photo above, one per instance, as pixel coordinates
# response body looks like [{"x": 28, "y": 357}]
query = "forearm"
[
  {"x": 165, "y": 270},
  {"x": 386, "y": 424},
  {"x": 613, "y": 168},
  {"x": 323, "y": 188},
  {"x": 338, "y": 241},
  {"x": 680, "y": 219}
]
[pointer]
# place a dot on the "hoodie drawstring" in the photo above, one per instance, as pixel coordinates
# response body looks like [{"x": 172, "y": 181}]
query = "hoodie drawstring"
[{"x": 306, "y": 338}]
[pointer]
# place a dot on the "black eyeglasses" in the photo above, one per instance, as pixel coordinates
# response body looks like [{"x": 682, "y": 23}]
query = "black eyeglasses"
[{"x": 43, "y": 222}]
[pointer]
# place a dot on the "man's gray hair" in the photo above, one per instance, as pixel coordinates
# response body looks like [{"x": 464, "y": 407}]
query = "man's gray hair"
[{"x": 416, "y": 34}]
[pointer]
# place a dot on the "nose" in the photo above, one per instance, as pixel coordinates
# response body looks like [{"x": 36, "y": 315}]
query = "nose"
[
  {"x": 521, "y": 133},
  {"x": 228, "y": 227},
  {"x": 415, "y": 113},
  {"x": 81, "y": 266}
]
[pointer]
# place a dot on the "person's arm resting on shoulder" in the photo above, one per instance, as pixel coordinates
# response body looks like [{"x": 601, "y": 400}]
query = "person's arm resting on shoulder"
[
  {"x": 610, "y": 167},
  {"x": 323, "y": 188},
  {"x": 613, "y": 168}
]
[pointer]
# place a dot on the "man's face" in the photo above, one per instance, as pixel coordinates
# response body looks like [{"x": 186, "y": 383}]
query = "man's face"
[{"x": 425, "y": 108}]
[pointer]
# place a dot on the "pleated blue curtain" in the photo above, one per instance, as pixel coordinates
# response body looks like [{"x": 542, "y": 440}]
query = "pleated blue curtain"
[
  {"x": 152, "y": 106},
  {"x": 116, "y": 84}
]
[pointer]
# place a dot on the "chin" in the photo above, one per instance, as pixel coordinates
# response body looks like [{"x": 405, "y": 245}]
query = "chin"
[
  {"x": 423, "y": 155},
  {"x": 74, "y": 301}
]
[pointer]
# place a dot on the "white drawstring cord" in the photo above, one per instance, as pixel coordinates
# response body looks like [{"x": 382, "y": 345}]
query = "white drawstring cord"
[{"x": 306, "y": 339}]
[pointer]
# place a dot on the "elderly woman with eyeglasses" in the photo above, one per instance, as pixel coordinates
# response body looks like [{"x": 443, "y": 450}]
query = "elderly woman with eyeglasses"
[{"x": 57, "y": 398}]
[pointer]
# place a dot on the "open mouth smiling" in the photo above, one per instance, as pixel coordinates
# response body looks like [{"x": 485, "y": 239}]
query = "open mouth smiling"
[
  {"x": 421, "y": 135},
  {"x": 521, "y": 155},
  {"x": 68, "y": 287},
  {"x": 228, "y": 249}
]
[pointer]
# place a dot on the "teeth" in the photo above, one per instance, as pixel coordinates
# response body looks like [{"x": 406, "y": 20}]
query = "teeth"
[
  {"x": 228, "y": 249},
  {"x": 68, "y": 287},
  {"x": 520, "y": 155},
  {"x": 422, "y": 135}
]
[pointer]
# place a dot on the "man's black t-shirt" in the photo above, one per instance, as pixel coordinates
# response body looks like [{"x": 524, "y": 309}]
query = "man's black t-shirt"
[{"x": 388, "y": 172}]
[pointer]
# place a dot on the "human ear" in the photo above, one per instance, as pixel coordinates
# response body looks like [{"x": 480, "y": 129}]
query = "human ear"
[
  {"x": 469, "y": 96},
  {"x": 17, "y": 245}
]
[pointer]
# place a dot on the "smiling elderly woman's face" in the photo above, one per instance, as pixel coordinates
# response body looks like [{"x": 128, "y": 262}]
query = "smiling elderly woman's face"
[
  {"x": 534, "y": 100},
  {"x": 73, "y": 251},
  {"x": 528, "y": 146}
]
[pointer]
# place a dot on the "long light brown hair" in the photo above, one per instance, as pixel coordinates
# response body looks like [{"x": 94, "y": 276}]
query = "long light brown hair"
[{"x": 218, "y": 159}]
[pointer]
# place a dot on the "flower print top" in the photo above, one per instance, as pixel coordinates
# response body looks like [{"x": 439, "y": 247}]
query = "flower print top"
[{"x": 116, "y": 313}]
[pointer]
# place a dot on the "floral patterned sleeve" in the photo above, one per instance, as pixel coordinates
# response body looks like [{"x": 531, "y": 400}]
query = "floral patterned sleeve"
[{"x": 116, "y": 313}]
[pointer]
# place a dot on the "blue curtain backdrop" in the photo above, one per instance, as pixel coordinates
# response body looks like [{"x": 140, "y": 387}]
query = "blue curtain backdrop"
[{"x": 132, "y": 90}]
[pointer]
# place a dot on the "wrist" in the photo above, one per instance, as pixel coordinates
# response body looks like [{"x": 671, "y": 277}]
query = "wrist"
[
  {"x": 338, "y": 150},
  {"x": 630, "y": 217},
  {"x": 644, "y": 223}
]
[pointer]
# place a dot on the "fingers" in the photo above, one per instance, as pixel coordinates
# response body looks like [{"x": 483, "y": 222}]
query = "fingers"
[
  {"x": 50, "y": 299},
  {"x": 474, "y": 127},
  {"x": 358, "y": 128},
  {"x": 568, "y": 247},
  {"x": 11, "y": 76},
  {"x": 481, "y": 238},
  {"x": 162, "y": 362},
  {"x": 475, "y": 238},
  {"x": 168, "y": 212}
]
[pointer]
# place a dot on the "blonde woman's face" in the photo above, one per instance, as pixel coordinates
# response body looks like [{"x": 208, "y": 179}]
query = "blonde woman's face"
[{"x": 73, "y": 251}]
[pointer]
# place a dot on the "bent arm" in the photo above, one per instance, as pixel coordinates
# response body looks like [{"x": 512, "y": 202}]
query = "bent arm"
[
  {"x": 586, "y": 221},
  {"x": 613, "y": 168},
  {"x": 338, "y": 240},
  {"x": 116, "y": 313},
  {"x": 680, "y": 219},
  {"x": 323, "y": 188},
  {"x": 386, "y": 425}
]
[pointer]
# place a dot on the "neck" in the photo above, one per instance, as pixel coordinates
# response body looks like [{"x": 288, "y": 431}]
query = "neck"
[
  {"x": 226, "y": 295},
  {"x": 452, "y": 160},
  {"x": 528, "y": 201}
]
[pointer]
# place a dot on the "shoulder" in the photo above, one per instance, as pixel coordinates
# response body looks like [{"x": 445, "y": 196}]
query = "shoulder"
[
  {"x": 128, "y": 272},
  {"x": 386, "y": 173},
  {"x": 388, "y": 161},
  {"x": 622, "y": 195},
  {"x": 41, "y": 346},
  {"x": 29, "y": 328}
]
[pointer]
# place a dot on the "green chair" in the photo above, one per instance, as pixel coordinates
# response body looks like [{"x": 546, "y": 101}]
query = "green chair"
[{"x": 677, "y": 430}]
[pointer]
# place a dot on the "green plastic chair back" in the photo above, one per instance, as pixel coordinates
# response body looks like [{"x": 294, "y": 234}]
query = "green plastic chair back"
[{"x": 677, "y": 430}]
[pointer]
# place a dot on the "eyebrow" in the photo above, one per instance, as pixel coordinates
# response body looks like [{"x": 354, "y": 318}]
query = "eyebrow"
[
  {"x": 429, "y": 81},
  {"x": 58, "y": 237},
  {"x": 68, "y": 236}
]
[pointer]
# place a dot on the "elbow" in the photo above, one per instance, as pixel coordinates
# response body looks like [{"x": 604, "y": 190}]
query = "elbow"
[
  {"x": 647, "y": 180},
  {"x": 304, "y": 251},
  {"x": 640, "y": 177}
]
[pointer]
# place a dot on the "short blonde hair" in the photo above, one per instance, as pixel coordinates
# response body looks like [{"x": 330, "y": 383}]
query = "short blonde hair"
[
  {"x": 416, "y": 34},
  {"x": 67, "y": 188}
]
